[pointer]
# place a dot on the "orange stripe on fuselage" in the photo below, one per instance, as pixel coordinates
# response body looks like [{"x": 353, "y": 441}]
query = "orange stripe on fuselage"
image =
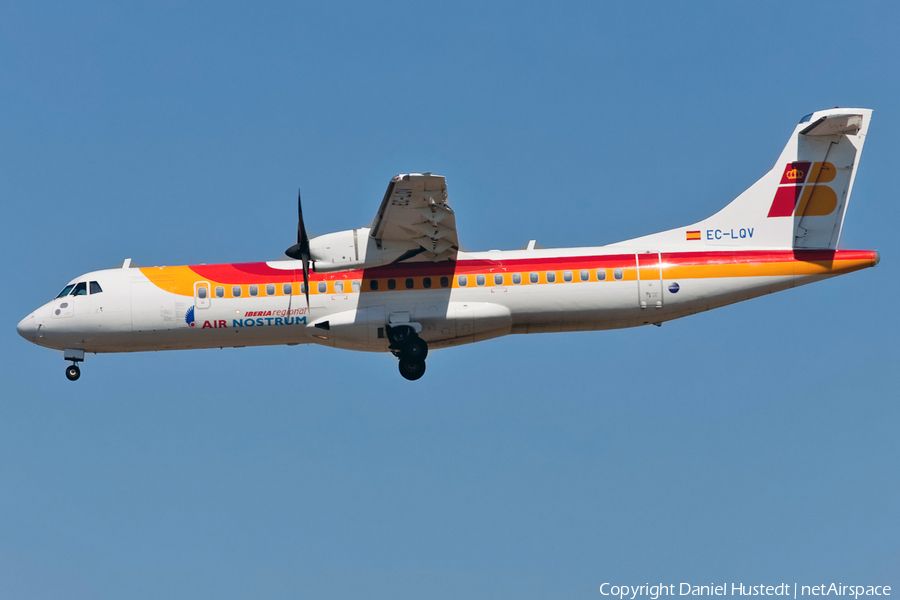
[
  {"x": 675, "y": 265},
  {"x": 699, "y": 265}
]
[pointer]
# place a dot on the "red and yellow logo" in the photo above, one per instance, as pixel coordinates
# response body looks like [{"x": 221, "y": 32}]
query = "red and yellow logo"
[
  {"x": 811, "y": 200},
  {"x": 795, "y": 172}
]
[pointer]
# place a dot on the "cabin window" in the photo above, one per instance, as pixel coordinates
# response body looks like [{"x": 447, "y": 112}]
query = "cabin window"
[
  {"x": 236, "y": 291},
  {"x": 410, "y": 284},
  {"x": 270, "y": 289},
  {"x": 201, "y": 292},
  {"x": 322, "y": 287},
  {"x": 479, "y": 279},
  {"x": 567, "y": 276},
  {"x": 517, "y": 278},
  {"x": 498, "y": 278},
  {"x": 551, "y": 276},
  {"x": 618, "y": 274},
  {"x": 220, "y": 291},
  {"x": 338, "y": 287},
  {"x": 288, "y": 289},
  {"x": 355, "y": 285},
  {"x": 373, "y": 285},
  {"x": 95, "y": 288},
  {"x": 426, "y": 282},
  {"x": 462, "y": 280},
  {"x": 254, "y": 290},
  {"x": 392, "y": 284},
  {"x": 445, "y": 282},
  {"x": 66, "y": 290},
  {"x": 303, "y": 287},
  {"x": 80, "y": 289},
  {"x": 601, "y": 274},
  {"x": 584, "y": 275},
  {"x": 534, "y": 278}
]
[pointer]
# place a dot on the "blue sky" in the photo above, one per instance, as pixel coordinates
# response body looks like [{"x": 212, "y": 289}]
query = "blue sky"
[{"x": 754, "y": 443}]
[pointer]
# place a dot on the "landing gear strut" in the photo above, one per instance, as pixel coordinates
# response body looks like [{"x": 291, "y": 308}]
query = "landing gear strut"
[{"x": 410, "y": 349}]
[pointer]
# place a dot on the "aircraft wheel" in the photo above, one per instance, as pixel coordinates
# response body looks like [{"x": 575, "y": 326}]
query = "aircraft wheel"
[
  {"x": 73, "y": 372},
  {"x": 414, "y": 350},
  {"x": 412, "y": 369}
]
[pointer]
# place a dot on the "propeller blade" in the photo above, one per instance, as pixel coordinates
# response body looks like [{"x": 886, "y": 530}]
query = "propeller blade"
[
  {"x": 306, "y": 281},
  {"x": 302, "y": 237},
  {"x": 300, "y": 250}
]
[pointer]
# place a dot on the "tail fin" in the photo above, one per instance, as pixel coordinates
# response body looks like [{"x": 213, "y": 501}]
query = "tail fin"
[{"x": 801, "y": 202}]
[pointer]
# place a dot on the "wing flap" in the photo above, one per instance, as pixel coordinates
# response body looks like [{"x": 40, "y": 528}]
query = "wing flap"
[{"x": 415, "y": 209}]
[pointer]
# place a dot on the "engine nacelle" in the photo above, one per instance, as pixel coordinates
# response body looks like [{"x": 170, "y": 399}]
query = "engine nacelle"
[{"x": 353, "y": 249}]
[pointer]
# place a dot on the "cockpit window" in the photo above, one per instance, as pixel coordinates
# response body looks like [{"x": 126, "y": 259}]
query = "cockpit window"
[
  {"x": 80, "y": 289},
  {"x": 66, "y": 290},
  {"x": 95, "y": 288}
]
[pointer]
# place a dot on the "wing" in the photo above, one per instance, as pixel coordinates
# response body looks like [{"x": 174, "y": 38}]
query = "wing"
[{"x": 415, "y": 213}]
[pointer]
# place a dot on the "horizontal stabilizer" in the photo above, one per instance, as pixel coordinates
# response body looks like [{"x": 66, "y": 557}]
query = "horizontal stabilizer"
[{"x": 848, "y": 124}]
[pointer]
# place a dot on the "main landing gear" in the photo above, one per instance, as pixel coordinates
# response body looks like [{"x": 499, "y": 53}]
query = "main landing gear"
[{"x": 410, "y": 349}]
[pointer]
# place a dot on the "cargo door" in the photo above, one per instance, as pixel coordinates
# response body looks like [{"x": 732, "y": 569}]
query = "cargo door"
[{"x": 152, "y": 308}]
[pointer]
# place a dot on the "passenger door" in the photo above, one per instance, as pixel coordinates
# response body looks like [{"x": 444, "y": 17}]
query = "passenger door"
[{"x": 649, "y": 271}]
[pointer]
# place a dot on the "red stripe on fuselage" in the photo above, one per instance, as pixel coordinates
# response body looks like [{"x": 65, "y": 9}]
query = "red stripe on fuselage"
[{"x": 260, "y": 272}]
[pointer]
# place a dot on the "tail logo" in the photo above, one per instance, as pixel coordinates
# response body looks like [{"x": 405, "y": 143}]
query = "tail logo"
[{"x": 811, "y": 200}]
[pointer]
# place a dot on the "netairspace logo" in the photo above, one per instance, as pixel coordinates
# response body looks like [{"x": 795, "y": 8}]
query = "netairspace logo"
[{"x": 631, "y": 592}]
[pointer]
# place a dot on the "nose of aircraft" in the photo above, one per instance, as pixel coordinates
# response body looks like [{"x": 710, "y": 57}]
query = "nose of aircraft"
[{"x": 28, "y": 327}]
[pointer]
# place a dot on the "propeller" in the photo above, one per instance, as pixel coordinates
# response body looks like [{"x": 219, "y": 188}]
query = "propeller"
[{"x": 300, "y": 250}]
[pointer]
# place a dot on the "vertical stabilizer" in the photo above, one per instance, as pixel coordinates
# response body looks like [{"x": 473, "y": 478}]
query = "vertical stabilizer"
[{"x": 800, "y": 202}]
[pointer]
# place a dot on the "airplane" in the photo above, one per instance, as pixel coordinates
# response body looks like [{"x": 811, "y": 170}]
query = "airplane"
[{"x": 404, "y": 285}]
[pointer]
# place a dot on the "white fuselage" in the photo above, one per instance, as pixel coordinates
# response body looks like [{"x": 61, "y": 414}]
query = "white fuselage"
[{"x": 525, "y": 291}]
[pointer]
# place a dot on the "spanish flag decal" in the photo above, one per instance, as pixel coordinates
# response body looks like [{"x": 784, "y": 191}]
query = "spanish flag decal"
[{"x": 693, "y": 235}]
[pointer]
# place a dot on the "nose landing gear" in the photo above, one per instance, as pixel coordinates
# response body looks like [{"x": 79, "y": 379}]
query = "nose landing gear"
[
  {"x": 76, "y": 356},
  {"x": 410, "y": 349},
  {"x": 73, "y": 372}
]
